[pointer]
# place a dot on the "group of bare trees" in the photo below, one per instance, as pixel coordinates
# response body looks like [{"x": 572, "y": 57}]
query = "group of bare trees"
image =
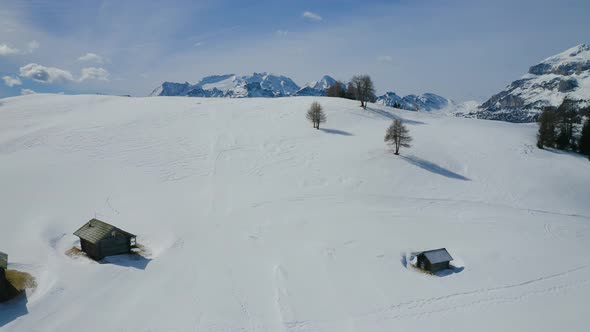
[
  {"x": 397, "y": 135},
  {"x": 359, "y": 88}
]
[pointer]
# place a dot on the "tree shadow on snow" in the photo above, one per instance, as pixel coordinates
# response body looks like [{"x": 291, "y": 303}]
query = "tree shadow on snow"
[
  {"x": 567, "y": 153},
  {"x": 336, "y": 132},
  {"x": 392, "y": 116},
  {"x": 434, "y": 168},
  {"x": 133, "y": 260},
  {"x": 13, "y": 309}
]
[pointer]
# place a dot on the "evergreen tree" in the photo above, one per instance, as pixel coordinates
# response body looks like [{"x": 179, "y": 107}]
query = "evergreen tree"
[
  {"x": 584, "y": 144},
  {"x": 547, "y": 122}
]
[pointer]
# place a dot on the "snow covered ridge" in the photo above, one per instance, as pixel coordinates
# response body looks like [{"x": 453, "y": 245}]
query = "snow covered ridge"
[
  {"x": 427, "y": 101},
  {"x": 566, "y": 74},
  {"x": 257, "y": 222},
  {"x": 255, "y": 85}
]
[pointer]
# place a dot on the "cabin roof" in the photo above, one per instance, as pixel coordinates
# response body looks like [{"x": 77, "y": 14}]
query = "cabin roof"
[
  {"x": 3, "y": 260},
  {"x": 437, "y": 255},
  {"x": 96, "y": 230}
]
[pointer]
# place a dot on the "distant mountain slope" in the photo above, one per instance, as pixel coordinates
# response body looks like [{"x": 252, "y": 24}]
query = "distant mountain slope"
[
  {"x": 566, "y": 74},
  {"x": 427, "y": 101},
  {"x": 231, "y": 85},
  {"x": 255, "y": 85}
]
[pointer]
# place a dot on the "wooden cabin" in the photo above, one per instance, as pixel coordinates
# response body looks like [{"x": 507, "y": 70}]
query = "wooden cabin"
[
  {"x": 434, "y": 260},
  {"x": 99, "y": 239},
  {"x": 3, "y": 282}
]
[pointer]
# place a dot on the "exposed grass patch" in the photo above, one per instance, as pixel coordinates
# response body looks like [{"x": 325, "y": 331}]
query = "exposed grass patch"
[
  {"x": 75, "y": 252},
  {"x": 20, "y": 280},
  {"x": 17, "y": 283}
]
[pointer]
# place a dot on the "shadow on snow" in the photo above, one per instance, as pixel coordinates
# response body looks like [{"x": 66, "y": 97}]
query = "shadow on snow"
[
  {"x": 336, "y": 132},
  {"x": 133, "y": 260},
  {"x": 392, "y": 116},
  {"x": 13, "y": 309},
  {"x": 434, "y": 168}
]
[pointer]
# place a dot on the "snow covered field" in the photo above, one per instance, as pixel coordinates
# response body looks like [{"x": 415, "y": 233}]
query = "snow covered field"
[{"x": 257, "y": 222}]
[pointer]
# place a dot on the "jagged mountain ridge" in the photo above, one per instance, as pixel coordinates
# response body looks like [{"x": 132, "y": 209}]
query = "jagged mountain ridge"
[
  {"x": 547, "y": 83},
  {"x": 427, "y": 101},
  {"x": 233, "y": 86}
]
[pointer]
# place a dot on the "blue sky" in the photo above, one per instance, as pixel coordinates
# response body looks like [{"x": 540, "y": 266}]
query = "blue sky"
[{"x": 460, "y": 49}]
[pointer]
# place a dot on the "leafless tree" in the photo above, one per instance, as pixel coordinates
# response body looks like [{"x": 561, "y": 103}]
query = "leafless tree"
[
  {"x": 397, "y": 135},
  {"x": 316, "y": 115},
  {"x": 336, "y": 90},
  {"x": 364, "y": 89}
]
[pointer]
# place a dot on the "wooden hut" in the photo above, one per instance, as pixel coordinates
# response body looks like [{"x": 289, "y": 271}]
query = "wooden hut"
[
  {"x": 434, "y": 260},
  {"x": 3, "y": 267},
  {"x": 99, "y": 239}
]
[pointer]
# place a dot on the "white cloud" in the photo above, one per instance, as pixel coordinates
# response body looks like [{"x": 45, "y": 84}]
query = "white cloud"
[
  {"x": 312, "y": 16},
  {"x": 11, "y": 81},
  {"x": 93, "y": 73},
  {"x": 282, "y": 32},
  {"x": 198, "y": 44},
  {"x": 384, "y": 58},
  {"x": 7, "y": 50},
  {"x": 27, "y": 92},
  {"x": 44, "y": 74},
  {"x": 91, "y": 57}
]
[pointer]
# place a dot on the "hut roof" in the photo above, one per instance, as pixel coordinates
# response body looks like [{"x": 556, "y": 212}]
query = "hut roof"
[
  {"x": 3, "y": 260},
  {"x": 96, "y": 230},
  {"x": 437, "y": 255}
]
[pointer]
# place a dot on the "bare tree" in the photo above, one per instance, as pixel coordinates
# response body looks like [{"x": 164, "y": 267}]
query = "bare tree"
[
  {"x": 364, "y": 89},
  {"x": 336, "y": 90},
  {"x": 397, "y": 135},
  {"x": 316, "y": 115}
]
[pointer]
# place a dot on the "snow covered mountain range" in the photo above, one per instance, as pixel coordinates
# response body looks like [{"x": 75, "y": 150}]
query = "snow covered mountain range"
[
  {"x": 271, "y": 85},
  {"x": 566, "y": 74},
  {"x": 255, "y": 85},
  {"x": 427, "y": 101}
]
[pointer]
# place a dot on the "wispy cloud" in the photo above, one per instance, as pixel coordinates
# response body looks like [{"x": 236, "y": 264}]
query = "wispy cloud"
[
  {"x": 384, "y": 58},
  {"x": 27, "y": 92},
  {"x": 11, "y": 81},
  {"x": 44, "y": 74},
  {"x": 32, "y": 46},
  {"x": 312, "y": 16},
  {"x": 7, "y": 50},
  {"x": 282, "y": 32},
  {"x": 93, "y": 73},
  {"x": 91, "y": 57}
]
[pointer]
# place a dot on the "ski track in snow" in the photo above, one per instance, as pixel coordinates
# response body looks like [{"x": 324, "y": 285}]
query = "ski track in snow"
[{"x": 452, "y": 302}]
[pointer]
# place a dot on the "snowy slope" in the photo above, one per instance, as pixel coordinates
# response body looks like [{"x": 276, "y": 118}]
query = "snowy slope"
[
  {"x": 257, "y": 222},
  {"x": 566, "y": 74}
]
